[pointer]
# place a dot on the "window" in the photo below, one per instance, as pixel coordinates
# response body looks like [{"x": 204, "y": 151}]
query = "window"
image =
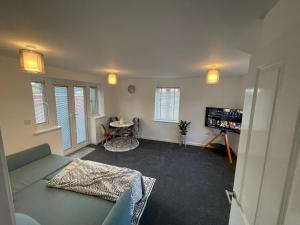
[
  {"x": 94, "y": 101},
  {"x": 38, "y": 94},
  {"x": 167, "y": 104}
]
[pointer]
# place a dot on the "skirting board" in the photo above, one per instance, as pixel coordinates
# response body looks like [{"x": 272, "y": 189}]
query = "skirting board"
[
  {"x": 170, "y": 140},
  {"x": 176, "y": 141}
]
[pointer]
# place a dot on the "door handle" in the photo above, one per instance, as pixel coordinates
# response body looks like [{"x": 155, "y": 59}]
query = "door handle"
[{"x": 230, "y": 195}]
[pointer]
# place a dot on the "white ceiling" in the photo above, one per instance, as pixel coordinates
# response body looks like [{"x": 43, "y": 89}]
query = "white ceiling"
[{"x": 138, "y": 38}]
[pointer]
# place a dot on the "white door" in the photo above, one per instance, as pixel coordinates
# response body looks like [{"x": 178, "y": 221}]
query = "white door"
[
  {"x": 71, "y": 115},
  {"x": 249, "y": 183}
]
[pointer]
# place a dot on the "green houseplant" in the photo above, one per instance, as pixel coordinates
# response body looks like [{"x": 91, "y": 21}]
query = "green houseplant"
[{"x": 183, "y": 129}]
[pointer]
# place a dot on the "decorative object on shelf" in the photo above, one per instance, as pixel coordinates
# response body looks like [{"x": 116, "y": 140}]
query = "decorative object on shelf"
[
  {"x": 131, "y": 89},
  {"x": 183, "y": 129},
  {"x": 31, "y": 61},
  {"x": 112, "y": 78},
  {"x": 213, "y": 76}
]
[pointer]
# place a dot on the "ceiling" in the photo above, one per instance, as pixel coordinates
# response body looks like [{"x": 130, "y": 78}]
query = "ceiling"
[{"x": 136, "y": 38}]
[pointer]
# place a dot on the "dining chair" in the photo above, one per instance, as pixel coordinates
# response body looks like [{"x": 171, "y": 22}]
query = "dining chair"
[
  {"x": 107, "y": 134},
  {"x": 135, "y": 127}
]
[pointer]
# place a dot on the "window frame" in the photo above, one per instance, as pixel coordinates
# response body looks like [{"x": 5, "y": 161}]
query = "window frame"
[
  {"x": 155, "y": 110},
  {"x": 45, "y": 103},
  {"x": 96, "y": 101}
]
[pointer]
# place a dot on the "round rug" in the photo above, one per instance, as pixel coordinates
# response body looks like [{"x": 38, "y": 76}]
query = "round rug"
[{"x": 121, "y": 144}]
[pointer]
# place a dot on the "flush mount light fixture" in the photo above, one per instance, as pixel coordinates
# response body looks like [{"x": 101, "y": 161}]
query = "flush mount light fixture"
[
  {"x": 31, "y": 61},
  {"x": 213, "y": 76},
  {"x": 112, "y": 78}
]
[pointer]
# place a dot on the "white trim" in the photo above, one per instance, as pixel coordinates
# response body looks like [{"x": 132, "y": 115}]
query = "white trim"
[
  {"x": 46, "y": 130},
  {"x": 171, "y": 140},
  {"x": 165, "y": 121},
  {"x": 96, "y": 116},
  {"x": 291, "y": 173},
  {"x": 278, "y": 68}
]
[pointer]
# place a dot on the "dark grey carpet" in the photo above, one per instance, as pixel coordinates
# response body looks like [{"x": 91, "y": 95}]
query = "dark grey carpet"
[{"x": 190, "y": 185}]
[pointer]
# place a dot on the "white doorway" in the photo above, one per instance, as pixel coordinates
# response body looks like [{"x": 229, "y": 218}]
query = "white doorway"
[{"x": 71, "y": 115}]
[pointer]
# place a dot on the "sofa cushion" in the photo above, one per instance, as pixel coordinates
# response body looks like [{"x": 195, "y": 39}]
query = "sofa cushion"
[
  {"x": 51, "y": 206},
  {"x": 22, "y": 219},
  {"x": 20, "y": 159},
  {"x": 35, "y": 171},
  {"x": 50, "y": 176},
  {"x": 120, "y": 213}
]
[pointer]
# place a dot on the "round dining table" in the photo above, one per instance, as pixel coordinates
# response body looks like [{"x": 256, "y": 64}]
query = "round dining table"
[
  {"x": 121, "y": 124},
  {"x": 124, "y": 142}
]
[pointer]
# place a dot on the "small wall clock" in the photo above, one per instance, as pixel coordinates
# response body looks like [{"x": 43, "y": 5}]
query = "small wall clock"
[{"x": 131, "y": 89}]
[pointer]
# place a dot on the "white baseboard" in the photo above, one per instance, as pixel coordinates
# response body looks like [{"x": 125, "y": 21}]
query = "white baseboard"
[{"x": 170, "y": 140}]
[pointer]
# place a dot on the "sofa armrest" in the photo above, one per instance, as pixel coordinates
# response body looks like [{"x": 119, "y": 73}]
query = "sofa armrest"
[
  {"x": 22, "y": 219},
  {"x": 120, "y": 213}
]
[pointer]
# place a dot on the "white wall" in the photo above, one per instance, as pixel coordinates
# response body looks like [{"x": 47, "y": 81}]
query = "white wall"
[
  {"x": 17, "y": 106},
  {"x": 195, "y": 95},
  {"x": 274, "y": 199}
]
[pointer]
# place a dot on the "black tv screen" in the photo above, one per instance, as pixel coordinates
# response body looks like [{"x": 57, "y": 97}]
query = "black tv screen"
[{"x": 224, "y": 119}]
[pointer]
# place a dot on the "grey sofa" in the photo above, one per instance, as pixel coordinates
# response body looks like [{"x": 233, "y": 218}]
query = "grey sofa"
[{"x": 29, "y": 172}]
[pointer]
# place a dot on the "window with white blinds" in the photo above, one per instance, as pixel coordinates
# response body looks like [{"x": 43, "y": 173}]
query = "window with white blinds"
[
  {"x": 167, "y": 104},
  {"x": 94, "y": 101},
  {"x": 38, "y": 94}
]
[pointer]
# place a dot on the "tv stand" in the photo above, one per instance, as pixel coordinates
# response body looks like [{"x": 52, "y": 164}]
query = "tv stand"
[{"x": 224, "y": 134}]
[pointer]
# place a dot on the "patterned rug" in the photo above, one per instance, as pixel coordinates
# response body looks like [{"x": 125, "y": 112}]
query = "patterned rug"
[
  {"x": 121, "y": 144},
  {"x": 140, "y": 206}
]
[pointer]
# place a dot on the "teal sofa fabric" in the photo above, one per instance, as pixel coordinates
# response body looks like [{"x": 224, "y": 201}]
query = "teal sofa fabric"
[
  {"x": 120, "y": 213},
  {"x": 22, "y": 219},
  {"x": 29, "y": 174},
  {"x": 36, "y": 170},
  {"x": 25, "y": 157},
  {"x": 56, "y": 206}
]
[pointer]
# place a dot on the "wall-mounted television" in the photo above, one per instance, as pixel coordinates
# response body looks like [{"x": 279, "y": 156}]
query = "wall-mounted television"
[{"x": 224, "y": 119}]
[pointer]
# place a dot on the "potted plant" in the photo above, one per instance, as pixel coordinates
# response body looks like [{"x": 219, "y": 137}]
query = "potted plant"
[{"x": 183, "y": 129}]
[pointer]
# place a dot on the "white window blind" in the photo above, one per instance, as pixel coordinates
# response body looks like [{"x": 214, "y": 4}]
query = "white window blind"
[
  {"x": 167, "y": 104},
  {"x": 80, "y": 114},
  {"x": 63, "y": 114},
  {"x": 38, "y": 94},
  {"x": 94, "y": 101}
]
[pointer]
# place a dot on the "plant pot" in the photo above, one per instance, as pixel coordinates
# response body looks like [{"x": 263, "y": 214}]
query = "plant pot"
[{"x": 183, "y": 140}]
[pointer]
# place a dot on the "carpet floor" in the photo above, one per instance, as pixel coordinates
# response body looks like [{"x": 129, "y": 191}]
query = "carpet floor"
[{"x": 190, "y": 186}]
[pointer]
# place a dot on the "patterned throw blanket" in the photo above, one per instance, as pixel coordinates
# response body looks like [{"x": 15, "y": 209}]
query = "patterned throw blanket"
[{"x": 98, "y": 179}]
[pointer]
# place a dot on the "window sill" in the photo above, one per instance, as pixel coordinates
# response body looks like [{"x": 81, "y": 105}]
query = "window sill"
[
  {"x": 97, "y": 116},
  {"x": 163, "y": 121},
  {"x": 46, "y": 130}
]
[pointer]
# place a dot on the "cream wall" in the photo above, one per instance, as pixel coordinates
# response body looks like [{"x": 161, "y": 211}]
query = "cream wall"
[
  {"x": 195, "y": 95},
  {"x": 16, "y": 112}
]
